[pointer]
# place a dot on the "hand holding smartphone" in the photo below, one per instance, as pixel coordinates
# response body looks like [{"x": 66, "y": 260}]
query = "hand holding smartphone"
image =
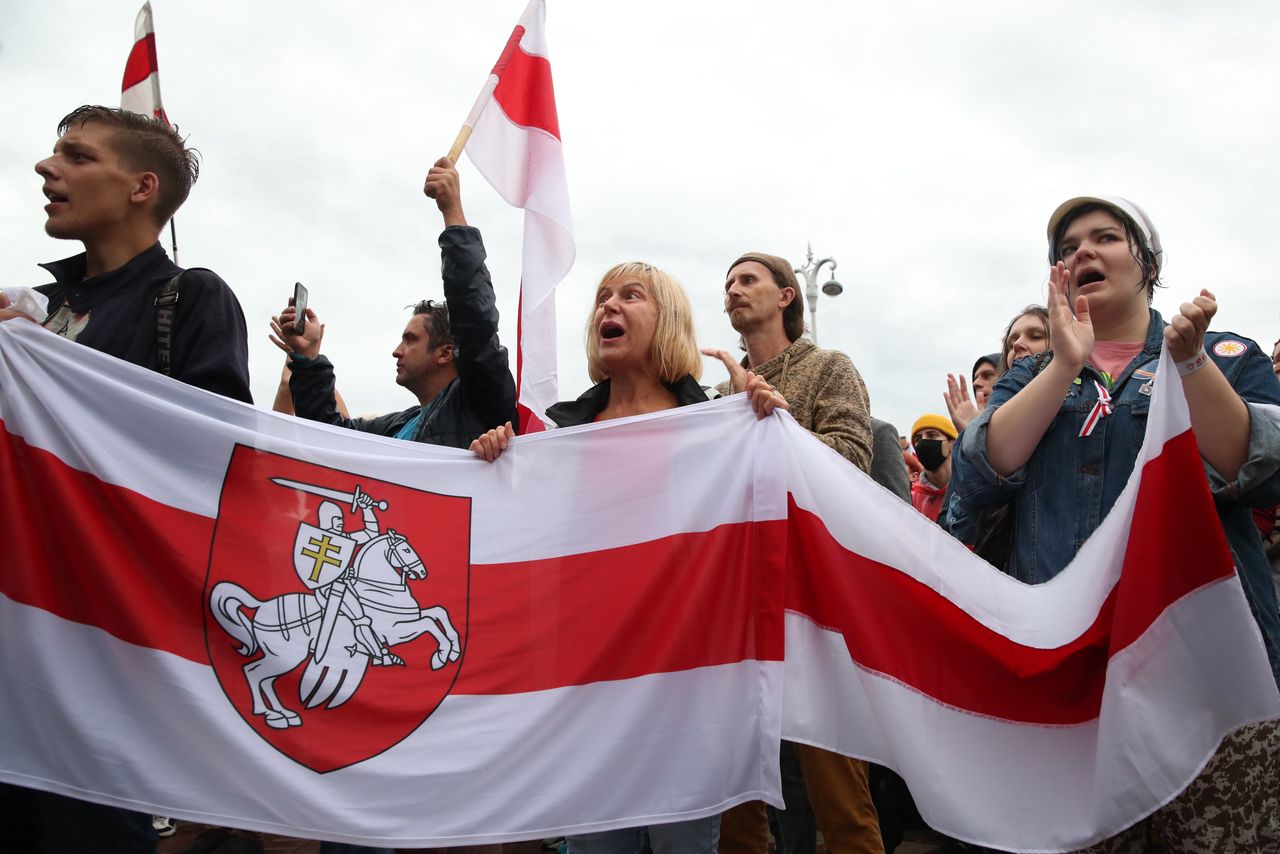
[{"x": 299, "y": 302}]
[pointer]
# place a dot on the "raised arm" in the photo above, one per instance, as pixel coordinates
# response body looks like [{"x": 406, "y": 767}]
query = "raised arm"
[
  {"x": 312, "y": 389},
  {"x": 484, "y": 370}
]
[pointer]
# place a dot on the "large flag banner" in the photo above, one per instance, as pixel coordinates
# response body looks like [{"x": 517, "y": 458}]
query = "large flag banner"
[
  {"x": 515, "y": 143},
  {"x": 140, "y": 89},
  {"x": 228, "y": 615}
]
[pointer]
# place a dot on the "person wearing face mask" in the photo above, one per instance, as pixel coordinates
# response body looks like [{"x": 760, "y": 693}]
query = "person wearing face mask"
[{"x": 932, "y": 437}]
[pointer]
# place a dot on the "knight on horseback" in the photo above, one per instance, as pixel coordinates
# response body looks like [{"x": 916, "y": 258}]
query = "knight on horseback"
[
  {"x": 361, "y": 576},
  {"x": 339, "y": 596}
]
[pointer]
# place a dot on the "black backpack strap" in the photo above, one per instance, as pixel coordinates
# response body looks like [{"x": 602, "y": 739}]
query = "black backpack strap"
[{"x": 166, "y": 321}]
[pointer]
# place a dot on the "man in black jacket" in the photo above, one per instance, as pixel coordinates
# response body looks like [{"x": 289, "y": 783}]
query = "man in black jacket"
[
  {"x": 113, "y": 181},
  {"x": 449, "y": 355}
]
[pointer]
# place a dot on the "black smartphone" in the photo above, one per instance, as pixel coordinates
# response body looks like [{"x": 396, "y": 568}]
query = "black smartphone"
[{"x": 300, "y": 303}]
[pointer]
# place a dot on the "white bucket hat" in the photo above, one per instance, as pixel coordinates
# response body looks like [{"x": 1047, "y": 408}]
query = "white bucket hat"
[{"x": 1118, "y": 205}]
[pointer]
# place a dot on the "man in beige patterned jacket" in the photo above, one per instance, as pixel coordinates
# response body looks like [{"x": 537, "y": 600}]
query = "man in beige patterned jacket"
[{"x": 825, "y": 394}]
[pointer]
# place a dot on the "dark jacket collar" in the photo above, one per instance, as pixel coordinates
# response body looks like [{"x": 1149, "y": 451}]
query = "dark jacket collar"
[
  {"x": 569, "y": 413},
  {"x": 83, "y": 294}
]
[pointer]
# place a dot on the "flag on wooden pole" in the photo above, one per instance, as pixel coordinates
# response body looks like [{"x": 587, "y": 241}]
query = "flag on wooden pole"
[
  {"x": 140, "y": 88},
  {"x": 513, "y": 138}
]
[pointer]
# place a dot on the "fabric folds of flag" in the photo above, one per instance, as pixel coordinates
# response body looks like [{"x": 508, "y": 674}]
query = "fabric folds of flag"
[
  {"x": 140, "y": 89},
  {"x": 515, "y": 143},
  {"x": 612, "y": 625}
]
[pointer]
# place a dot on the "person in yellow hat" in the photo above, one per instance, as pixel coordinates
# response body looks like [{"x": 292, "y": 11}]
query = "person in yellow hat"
[{"x": 932, "y": 437}]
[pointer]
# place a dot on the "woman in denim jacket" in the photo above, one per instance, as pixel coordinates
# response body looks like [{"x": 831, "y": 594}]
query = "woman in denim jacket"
[{"x": 1033, "y": 445}]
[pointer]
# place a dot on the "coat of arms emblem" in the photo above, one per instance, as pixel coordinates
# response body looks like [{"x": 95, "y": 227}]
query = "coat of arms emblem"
[{"x": 345, "y": 601}]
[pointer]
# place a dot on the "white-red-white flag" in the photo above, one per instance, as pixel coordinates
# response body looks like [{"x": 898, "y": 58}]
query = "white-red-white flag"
[
  {"x": 140, "y": 89},
  {"x": 612, "y": 625},
  {"x": 515, "y": 143}
]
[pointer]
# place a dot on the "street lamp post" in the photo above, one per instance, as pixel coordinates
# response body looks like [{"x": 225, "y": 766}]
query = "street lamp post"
[{"x": 832, "y": 288}]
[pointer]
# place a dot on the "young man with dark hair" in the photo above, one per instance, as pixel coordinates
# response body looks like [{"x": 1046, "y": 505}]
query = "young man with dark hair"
[
  {"x": 825, "y": 394},
  {"x": 114, "y": 179},
  {"x": 449, "y": 355}
]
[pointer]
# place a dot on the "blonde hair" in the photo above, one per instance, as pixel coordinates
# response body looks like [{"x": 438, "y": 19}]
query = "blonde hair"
[{"x": 675, "y": 348}]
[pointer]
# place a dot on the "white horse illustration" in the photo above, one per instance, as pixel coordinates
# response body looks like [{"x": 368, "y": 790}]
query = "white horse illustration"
[{"x": 284, "y": 628}]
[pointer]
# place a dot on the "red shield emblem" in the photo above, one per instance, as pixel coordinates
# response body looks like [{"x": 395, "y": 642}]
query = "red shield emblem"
[{"x": 337, "y": 670}]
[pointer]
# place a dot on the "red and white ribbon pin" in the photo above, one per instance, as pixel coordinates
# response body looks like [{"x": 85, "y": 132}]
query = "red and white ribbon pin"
[{"x": 1100, "y": 410}]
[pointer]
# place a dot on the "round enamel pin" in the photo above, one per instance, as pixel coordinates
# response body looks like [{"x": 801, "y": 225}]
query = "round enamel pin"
[{"x": 1228, "y": 348}]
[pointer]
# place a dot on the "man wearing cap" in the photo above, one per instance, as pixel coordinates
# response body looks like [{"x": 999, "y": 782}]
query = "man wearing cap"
[
  {"x": 932, "y": 437},
  {"x": 825, "y": 394}
]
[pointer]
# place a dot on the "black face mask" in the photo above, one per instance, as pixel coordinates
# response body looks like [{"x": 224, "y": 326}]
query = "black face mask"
[{"x": 929, "y": 452}]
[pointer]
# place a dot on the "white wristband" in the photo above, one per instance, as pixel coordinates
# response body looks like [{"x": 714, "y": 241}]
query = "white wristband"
[{"x": 1195, "y": 363}]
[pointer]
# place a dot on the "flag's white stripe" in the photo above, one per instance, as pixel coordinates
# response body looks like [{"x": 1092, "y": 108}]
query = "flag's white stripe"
[
  {"x": 485, "y": 94},
  {"x": 548, "y": 253},
  {"x": 524, "y": 164},
  {"x": 140, "y": 97},
  {"x": 1166, "y": 705},
  {"x": 142, "y": 25},
  {"x": 180, "y": 454},
  {"x": 534, "y": 40},
  {"x": 144, "y": 729}
]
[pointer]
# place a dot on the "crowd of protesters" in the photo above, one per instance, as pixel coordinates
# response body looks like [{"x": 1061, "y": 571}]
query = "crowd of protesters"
[{"x": 1034, "y": 449}]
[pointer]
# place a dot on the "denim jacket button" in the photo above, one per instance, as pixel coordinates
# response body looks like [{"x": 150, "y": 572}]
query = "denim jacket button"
[{"x": 1089, "y": 469}]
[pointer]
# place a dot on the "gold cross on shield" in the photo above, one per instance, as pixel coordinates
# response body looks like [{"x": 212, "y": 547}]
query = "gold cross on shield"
[{"x": 322, "y": 550}]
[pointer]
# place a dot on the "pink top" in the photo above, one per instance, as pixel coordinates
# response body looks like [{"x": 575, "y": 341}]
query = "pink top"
[{"x": 1112, "y": 357}]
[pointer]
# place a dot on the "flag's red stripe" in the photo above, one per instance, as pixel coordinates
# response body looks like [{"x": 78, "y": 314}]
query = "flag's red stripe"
[
  {"x": 524, "y": 89},
  {"x": 676, "y": 603},
  {"x": 142, "y": 62},
  {"x": 102, "y": 555},
  {"x": 1176, "y": 543},
  {"x": 895, "y": 625},
  {"x": 529, "y": 422}
]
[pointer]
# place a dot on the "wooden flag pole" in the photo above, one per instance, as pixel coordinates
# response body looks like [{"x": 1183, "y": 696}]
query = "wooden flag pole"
[
  {"x": 486, "y": 92},
  {"x": 459, "y": 144}
]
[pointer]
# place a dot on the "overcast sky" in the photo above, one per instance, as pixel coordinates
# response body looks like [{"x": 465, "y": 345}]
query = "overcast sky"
[{"x": 923, "y": 145}]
